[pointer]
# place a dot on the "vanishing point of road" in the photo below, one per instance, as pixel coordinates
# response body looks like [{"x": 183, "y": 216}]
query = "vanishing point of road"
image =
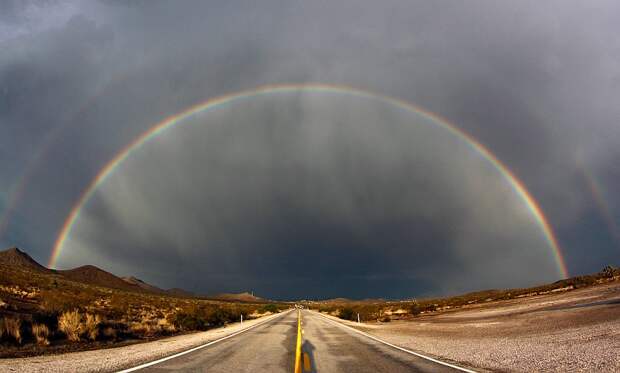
[{"x": 326, "y": 346}]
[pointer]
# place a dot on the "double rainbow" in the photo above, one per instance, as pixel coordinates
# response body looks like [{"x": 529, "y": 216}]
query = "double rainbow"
[{"x": 175, "y": 119}]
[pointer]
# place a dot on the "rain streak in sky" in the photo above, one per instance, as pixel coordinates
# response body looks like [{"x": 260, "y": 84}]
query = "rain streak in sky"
[{"x": 456, "y": 144}]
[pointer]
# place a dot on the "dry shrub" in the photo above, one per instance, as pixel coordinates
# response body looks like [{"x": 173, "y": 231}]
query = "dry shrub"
[
  {"x": 70, "y": 323},
  {"x": 148, "y": 327},
  {"x": 137, "y": 328},
  {"x": 347, "y": 313},
  {"x": 166, "y": 326},
  {"x": 144, "y": 328},
  {"x": 41, "y": 332},
  {"x": 91, "y": 326},
  {"x": 109, "y": 332},
  {"x": 11, "y": 327}
]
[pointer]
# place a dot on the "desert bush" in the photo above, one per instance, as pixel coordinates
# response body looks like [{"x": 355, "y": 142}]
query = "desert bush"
[
  {"x": 91, "y": 326},
  {"x": 233, "y": 314},
  {"x": 54, "y": 301},
  {"x": 608, "y": 271},
  {"x": 370, "y": 312},
  {"x": 203, "y": 317},
  {"x": 347, "y": 313},
  {"x": 11, "y": 327},
  {"x": 148, "y": 327},
  {"x": 70, "y": 323},
  {"x": 189, "y": 321},
  {"x": 326, "y": 309},
  {"x": 48, "y": 319},
  {"x": 221, "y": 316},
  {"x": 143, "y": 329},
  {"x": 269, "y": 308},
  {"x": 415, "y": 309},
  {"x": 41, "y": 333},
  {"x": 165, "y": 326},
  {"x": 109, "y": 332},
  {"x": 580, "y": 281}
]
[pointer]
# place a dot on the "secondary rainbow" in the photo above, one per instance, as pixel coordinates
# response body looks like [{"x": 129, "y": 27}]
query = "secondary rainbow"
[
  {"x": 18, "y": 189},
  {"x": 157, "y": 129},
  {"x": 598, "y": 195}
]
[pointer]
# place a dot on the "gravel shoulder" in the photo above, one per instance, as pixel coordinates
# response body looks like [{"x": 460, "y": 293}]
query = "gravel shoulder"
[
  {"x": 576, "y": 331},
  {"x": 114, "y": 359}
]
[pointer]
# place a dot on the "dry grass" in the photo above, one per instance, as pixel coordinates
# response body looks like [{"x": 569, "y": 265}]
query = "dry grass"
[
  {"x": 70, "y": 323},
  {"x": 11, "y": 327},
  {"x": 75, "y": 325},
  {"x": 143, "y": 328},
  {"x": 149, "y": 327},
  {"x": 166, "y": 326},
  {"x": 91, "y": 326},
  {"x": 76, "y": 312},
  {"x": 384, "y": 311},
  {"x": 41, "y": 333}
]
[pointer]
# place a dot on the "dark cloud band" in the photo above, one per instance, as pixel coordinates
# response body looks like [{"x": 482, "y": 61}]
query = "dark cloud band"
[{"x": 184, "y": 116}]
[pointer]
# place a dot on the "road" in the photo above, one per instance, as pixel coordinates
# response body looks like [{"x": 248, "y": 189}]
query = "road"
[{"x": 326, "y": 347}]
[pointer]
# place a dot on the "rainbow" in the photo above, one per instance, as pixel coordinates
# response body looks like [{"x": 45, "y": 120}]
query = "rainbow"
[
  {"x": 171, "y": 121},
  {"x": 596, "y": 191},
  {"x": 18, "y": 189}
]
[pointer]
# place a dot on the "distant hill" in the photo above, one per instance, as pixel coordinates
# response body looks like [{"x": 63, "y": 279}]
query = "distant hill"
[
  {"x": 32, "y": 295},
  {"x": 16, "y": 258},
  {"x": 239, "y": 297},
  {"x": 337, "y": 300},
  {"x": 143, "y": 285},
  {"x": 92, "y": 275},
  {"x": 180, "y": 293}
]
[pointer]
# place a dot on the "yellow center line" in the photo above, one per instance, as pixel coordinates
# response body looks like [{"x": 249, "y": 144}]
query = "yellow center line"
[{"x": 298, "y": 345}]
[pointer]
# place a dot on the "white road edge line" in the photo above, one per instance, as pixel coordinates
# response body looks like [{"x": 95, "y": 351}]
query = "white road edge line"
[
  {"x": 146, "y": 365},
  {"x": 397, "y": 347}
]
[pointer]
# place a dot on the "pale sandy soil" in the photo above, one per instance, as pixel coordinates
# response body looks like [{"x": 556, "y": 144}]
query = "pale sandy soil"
[
  {"x": 114, "y": 359},
  {"x": 576, "y": 331}
]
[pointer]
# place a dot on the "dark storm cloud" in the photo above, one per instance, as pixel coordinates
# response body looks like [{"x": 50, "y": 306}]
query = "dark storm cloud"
[
  {"x": 340, "y": 192},
  {"x": 537, "y": 83}
]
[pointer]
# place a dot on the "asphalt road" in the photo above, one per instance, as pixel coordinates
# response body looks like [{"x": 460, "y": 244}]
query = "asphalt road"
[{"x": 326, "y": 347}]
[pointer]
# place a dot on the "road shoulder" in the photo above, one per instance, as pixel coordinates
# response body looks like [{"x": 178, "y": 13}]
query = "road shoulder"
[{"x": 114, "y": 359}]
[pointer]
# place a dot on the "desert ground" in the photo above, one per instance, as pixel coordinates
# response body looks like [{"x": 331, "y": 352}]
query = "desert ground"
[
  {"x": 576, "y": 331},
  {"x": 114, "y": 359},
  {"x": 93, "y": 320}
]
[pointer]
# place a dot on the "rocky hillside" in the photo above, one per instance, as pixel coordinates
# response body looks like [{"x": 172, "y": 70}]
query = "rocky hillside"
[{"x": 16, "y": 258}]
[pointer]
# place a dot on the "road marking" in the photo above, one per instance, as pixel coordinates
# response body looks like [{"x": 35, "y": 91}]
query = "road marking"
[
  {"x": 146, "y": 365},
  {"x": 397, "y": 347},
  {"x": 298, "y": 344},
  {"x": 306, "y": 362}
]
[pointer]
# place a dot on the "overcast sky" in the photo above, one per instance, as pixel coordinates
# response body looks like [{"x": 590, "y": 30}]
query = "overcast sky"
[{"x": 313, "y": 194}]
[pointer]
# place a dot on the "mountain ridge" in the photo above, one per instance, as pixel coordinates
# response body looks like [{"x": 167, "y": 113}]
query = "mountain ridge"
[
  {"x": 15, "y": 257},
  {"x": 86, "y": 274},
  {"x": 92, "y": 275},
  {"x": 241, "y": 297}
]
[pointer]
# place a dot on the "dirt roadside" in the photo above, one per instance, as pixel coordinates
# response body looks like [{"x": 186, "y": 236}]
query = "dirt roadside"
[
  {"x": 576, "y": 331},
  {"x": 114, "y": 359}
]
